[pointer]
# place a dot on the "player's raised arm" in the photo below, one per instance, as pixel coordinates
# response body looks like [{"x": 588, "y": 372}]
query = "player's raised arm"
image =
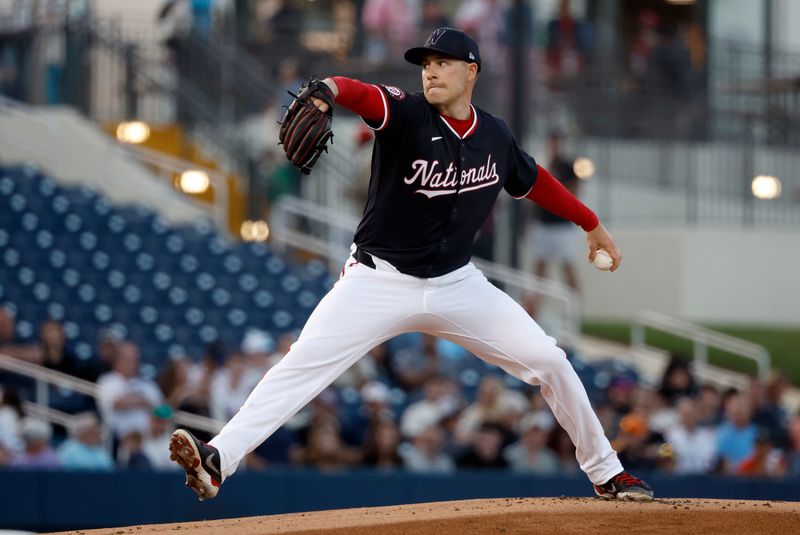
[
  {"x": 553, "y": 196},
  {"x": 361, "y": 98}
]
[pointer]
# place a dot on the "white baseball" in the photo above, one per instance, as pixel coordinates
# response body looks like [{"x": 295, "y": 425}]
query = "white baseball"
[{"x": 603, "y": 260}]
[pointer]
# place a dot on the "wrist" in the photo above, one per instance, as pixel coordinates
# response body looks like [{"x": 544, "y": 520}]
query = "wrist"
[{"x": 330, "y": 82}]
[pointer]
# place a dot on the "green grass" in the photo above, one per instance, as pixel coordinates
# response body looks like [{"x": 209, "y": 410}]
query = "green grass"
[{"x": 782, "y": 344}]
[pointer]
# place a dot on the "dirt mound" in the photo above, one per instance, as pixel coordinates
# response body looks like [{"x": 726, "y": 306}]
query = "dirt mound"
[{"x": 510, "y": 516}]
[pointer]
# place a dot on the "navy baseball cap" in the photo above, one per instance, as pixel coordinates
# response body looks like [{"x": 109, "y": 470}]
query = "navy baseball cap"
[{"x": 448, "y": 42}]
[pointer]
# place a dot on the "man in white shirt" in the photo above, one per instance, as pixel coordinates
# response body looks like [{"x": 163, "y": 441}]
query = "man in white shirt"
[
  {"x": 694, "y": 445},
  {"x": 126, "y": 399}
]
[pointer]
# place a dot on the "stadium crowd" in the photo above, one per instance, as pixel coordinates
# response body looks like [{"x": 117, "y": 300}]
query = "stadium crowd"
[{"x": 415, "y": 403}]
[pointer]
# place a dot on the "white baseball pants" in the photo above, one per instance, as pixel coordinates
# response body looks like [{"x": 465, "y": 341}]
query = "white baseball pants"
[{"x": 368, "y": 306}]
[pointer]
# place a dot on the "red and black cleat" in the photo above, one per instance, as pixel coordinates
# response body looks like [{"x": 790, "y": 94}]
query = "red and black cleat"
[
  {"x": 200, "y": 462},
  {"x": 624, "y": 486}
]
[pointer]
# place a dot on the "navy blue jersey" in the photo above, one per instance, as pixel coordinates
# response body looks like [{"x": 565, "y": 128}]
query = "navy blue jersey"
[{"x": 430, "y": 189}]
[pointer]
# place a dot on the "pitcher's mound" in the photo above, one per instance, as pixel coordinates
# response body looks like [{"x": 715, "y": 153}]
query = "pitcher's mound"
[{"x": 580, "y": 516}]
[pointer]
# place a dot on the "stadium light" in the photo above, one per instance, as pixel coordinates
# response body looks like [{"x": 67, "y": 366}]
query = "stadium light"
[
  {"x": 766, "y": 187},
  {"x": 133, "y": 132},
  {"x": 254, "y": 230},
  {"x": 584, "y": 168},
  {"x": 194, "y": 181}
]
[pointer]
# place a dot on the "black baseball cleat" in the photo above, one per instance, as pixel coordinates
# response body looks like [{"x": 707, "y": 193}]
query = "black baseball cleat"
[
  {"x": 624, "y": 486},
  {"x": 200, "y": 462}
]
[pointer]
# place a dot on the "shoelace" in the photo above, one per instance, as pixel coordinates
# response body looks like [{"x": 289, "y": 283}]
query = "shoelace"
[{"x": 627, "y": 479}]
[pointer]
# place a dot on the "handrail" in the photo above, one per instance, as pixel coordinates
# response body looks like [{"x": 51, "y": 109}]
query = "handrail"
[
  {"x": 335, "y": 222},
  {"x": 171, "y": 164},
  {"x": 45, "y": 378},
  {"x": 701, "y": 338}
]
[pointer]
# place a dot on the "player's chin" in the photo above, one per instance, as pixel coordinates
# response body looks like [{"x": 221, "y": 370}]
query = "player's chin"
[{"x": 434, "y": 96}]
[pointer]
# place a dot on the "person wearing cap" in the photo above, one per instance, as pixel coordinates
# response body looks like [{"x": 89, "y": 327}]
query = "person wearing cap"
[{"x": 438, "y": 165}]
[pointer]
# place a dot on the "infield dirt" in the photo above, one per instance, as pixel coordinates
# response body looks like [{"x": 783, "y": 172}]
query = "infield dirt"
[{"x": 510, "y": 516}]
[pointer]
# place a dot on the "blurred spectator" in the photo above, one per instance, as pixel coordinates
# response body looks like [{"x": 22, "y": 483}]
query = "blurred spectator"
[
  {"x": 568, "y": 40},
  {"x": 483, "y": 20},
  {"x": 325, "y": 449},
  {"x": 174, "y": 22},
  {"x": 108, "y": 341},
  {"x": 766, "y": 460},
  {"x": 694, "y": 445},
  {"x": 376, "y": 396},
  {"x": 8, "y": 340},
  {"x": 638, "y": 447},
  {"x": 737, "y": 434},
  {"x": 677, "y": 381},
  {"x": 619, "y": 394},
  {"x": 794, "y": 455},
  {"x": 709, "y": 406},
  {"x": 285, "y": 26},
  {"x": 415, "y": 365},
  {"x": 126, "y": 398},
  {"x": 84, "y": 450},
  {"x": 556, "y": 241},
  {"x": 530, "y": 454},
  {"x": 440, "y": 399},
  {"x": 5, "y": 456},
  {"x": 562, "y": 445},
  {"x": 178, "y": 382},
  {"x": 55, "y": 354},
  {"x": 10, "y": 419},
  {"x": 433, "y": 17},
  {"x": 425, "y": 454},
  {"x": 381, "y": 360},
  {"x": 768, "y": 414},
  {"x": 391, "y": 28},
  {"x": 257, "y": 349},
  {"x": 662, "y": 416},
  {"x": 485, "y": 451},
  {"x": 156, "y": 442},
  {"x": 643, "y": 43},
  {"x": 130, "y": 454},
  {"x": 493, "y": 403},
  {"x": 381, "y": 444},
  {"x": 230, "y": 387},
  {"x": 670, "y": 65},
  {"x": 16, "y": 44},
  {"x": 36, "y": 452}
]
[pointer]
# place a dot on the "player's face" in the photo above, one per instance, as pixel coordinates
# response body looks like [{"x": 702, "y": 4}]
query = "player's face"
[{"x": 444, "y": 79}]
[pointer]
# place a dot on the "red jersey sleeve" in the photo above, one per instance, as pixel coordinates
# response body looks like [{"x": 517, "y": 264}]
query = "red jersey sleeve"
[
  {"x": 551, "y": 195},
  {"x": 362, "y": 99}
]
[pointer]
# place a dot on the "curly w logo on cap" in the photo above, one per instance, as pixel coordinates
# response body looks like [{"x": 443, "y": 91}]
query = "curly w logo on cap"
[{"x": 434, "y": 37}]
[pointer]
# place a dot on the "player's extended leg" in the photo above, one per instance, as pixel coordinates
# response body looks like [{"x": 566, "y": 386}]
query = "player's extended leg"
[
  {"x": 365, "y": 308},
  {"x": 486, "y": 321}
]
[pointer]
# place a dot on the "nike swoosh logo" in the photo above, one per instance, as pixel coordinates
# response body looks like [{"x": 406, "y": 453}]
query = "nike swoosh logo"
[{"x": 437, "y": 138}]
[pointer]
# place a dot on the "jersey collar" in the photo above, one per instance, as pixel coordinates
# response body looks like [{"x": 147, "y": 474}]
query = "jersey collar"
[{"x": 469, "y": 131}]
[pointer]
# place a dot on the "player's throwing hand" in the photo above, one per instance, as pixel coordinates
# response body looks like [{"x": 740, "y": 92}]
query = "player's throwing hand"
[{"x": 599, "y": 238}]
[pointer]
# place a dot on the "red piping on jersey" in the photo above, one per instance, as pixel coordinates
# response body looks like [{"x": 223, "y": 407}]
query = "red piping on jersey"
[
  {"x": 462, "y": 127},
  {"x": 551, "y": 195},
  {"x": 365, "y": 100}
]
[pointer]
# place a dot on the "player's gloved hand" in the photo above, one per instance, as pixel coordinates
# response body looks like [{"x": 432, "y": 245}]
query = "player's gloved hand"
[
  {"x": 306, "y": 129},
  {"x": 599, "y": 238}
]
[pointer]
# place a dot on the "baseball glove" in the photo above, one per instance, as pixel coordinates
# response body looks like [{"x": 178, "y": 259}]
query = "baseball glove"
[{"x": 305, "y": 129}]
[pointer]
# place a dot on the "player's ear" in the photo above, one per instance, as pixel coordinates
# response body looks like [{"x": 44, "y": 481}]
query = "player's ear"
[{"x": 472, "y": 71}]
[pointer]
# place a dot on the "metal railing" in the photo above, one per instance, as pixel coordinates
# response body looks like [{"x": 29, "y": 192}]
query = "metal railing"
[
  {"x": 168, "y": 167},
  {"x": 329, "y": 232},
  {"x": 44, "y": 379},
  {"x": 702, "y": 339}
]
